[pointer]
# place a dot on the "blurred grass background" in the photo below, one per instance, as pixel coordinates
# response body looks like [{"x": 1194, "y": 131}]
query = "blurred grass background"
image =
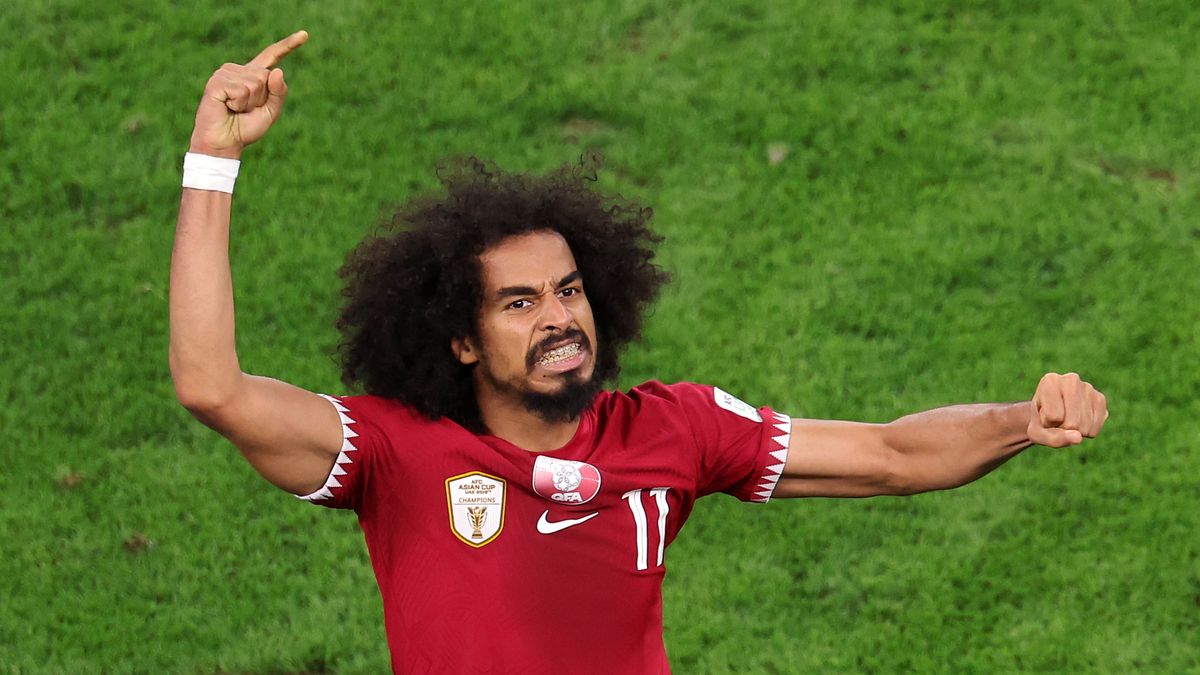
[{"x": 871, "y": 208}]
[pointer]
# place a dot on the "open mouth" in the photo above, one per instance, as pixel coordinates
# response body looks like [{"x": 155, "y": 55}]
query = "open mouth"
[
  {"x": 563, "y": 357},
  {"x": 560, "y": 354}
]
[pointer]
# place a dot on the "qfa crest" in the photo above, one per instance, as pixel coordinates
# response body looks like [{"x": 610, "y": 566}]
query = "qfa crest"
[
  {"x": 476, "y": 503},
  {"x": 565, "y": 481}
]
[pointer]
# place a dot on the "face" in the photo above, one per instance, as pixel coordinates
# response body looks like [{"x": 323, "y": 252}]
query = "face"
[{"x": 536, "y": 336}]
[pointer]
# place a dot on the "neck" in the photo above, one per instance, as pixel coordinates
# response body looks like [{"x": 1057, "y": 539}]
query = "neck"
[{"x": 512, "y": 422}]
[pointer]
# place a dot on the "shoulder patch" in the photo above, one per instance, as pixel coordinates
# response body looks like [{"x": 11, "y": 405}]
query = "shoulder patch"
[{"x": 735, "y": 405}]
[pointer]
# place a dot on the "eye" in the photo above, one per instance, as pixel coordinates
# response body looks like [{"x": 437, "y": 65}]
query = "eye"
[
  {"x": 570, "y": 292},
  {"x": 519, "y": 304}
]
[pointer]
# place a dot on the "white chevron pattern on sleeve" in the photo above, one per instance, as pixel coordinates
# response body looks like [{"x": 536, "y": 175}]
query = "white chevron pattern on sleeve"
[
  {"x": 770, "y": 478},
  {"x": 347, "y": 433}
]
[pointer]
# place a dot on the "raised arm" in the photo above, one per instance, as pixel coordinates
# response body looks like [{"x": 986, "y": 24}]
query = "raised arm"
[
  {"x": 290, "y": 436},
  {"x": 937, "y": 449}
]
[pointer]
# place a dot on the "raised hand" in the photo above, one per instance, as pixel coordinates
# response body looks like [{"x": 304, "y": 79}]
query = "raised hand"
[
  {"x": 1065, "y": 410},
  {"x": 241, "y": 102}
]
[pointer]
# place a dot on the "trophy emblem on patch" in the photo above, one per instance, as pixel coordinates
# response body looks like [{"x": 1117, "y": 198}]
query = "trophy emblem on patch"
[{"x": 477, "y": 516}]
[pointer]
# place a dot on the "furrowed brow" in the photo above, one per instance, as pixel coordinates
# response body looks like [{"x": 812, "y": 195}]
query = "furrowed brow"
[
  {"x": 510, "y": 291},
  {"x": 569, "y": 279}
]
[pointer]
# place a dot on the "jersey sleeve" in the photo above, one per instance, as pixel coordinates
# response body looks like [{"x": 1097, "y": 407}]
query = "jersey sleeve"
[
  {"x": 362, "y": 441},
  {"x": 742, "y": 449}
]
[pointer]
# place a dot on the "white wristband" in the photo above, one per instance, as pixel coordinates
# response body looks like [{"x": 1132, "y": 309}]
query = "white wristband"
[{"x": 205, "y": 172}]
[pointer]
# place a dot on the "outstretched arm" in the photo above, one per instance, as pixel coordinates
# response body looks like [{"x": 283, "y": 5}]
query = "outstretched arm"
[
  {"x": 937, "y": 449},
  {"x": 289, "y": 435}
]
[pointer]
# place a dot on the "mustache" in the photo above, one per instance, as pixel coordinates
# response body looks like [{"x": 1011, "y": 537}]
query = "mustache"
[{"x": 569, "y": 335}]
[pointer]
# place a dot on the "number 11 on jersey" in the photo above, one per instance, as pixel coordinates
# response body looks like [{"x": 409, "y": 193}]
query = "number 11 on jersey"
[{"x": 634, "y": 498}]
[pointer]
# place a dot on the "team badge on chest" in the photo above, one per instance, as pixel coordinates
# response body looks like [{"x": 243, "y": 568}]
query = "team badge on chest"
[
  {"x": 476, "y": 502},
  {"x": 565, "y": 481}
]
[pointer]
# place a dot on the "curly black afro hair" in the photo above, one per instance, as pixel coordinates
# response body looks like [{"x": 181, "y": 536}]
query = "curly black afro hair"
[{"x": 415, "y": 284}]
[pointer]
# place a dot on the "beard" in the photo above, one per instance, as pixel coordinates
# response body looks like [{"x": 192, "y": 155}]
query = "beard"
[{"x": 566, "y": 404}]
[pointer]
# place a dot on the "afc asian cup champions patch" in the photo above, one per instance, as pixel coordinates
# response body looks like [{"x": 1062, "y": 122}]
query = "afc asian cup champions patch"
[
  {"x": 476, "y": 503},
  {"x": 565, "y": 481},
  {"x": 735, "y": 405}
]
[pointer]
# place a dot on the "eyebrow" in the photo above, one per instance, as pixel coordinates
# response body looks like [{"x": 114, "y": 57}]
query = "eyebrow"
[{"x": 509, "y": 291}]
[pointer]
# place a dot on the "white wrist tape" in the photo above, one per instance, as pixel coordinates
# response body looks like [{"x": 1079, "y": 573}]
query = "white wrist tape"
[{"x": 205, "y": 172}]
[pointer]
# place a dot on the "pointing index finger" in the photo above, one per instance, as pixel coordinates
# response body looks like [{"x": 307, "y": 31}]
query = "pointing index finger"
[{"x": 272, "y": 55}]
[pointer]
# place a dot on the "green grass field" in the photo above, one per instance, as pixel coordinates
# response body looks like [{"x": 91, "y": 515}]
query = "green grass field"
[{"x": 870, "y": 210}]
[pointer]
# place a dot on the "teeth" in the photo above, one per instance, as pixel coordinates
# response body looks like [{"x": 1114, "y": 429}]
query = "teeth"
[{"x": 560, "y": 354}]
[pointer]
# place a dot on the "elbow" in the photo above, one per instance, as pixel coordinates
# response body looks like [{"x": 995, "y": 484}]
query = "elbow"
[
  {"x": 904, "y": 472},
  {"x": 900, "y": 477},
  {"x": 203, "y": 390},
  {"x": 203, "y": 397},
  {"x": 202, "y": 403},
  {"x": 213, "y": 408},
  {"x": 907, "y": 473}
]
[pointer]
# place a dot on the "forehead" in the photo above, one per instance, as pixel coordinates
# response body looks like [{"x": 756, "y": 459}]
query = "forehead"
[{"x": 532, "y": 259}]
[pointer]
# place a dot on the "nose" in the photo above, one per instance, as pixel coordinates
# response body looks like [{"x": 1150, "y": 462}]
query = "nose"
[{"x": 555, "y": 315}]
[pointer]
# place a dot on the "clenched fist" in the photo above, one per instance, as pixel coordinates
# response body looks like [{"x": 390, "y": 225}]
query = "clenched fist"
[
  {"x": 241, "y": 102},
  {"x": 1065, "y": 410}
]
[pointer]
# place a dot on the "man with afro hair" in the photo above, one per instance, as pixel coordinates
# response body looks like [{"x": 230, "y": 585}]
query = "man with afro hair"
[{"x": 517, "y": 513}]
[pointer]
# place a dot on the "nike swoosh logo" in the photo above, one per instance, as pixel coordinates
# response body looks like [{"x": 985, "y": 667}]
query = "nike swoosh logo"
[{"x": 546, "y": 527}]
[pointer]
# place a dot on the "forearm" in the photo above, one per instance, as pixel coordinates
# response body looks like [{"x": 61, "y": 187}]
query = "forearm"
[
  {"x": 239, "y": 104},
  {"x": 952, "y": 446},
  {"x": 203, "y": 356}
]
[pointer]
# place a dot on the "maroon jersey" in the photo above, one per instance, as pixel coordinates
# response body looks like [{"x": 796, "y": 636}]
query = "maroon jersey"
[{"x": 494, "y": 559}]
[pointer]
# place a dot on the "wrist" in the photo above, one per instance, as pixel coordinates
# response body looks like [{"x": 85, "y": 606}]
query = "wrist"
[
  {"x": 209, "y": 172},
  {"x": 1014, "y": 420},
  {"x": 226, "y": 152}
]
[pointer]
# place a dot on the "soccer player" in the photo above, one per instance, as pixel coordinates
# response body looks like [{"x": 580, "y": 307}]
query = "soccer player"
[{"x": 517, "y": 514}]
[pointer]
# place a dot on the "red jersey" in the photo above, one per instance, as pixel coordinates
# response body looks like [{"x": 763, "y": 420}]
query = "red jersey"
[{"x": 494, "y": 559}]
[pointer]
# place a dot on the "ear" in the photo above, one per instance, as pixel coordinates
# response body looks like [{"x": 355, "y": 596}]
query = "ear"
[{"x": 464, "y": 351}]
